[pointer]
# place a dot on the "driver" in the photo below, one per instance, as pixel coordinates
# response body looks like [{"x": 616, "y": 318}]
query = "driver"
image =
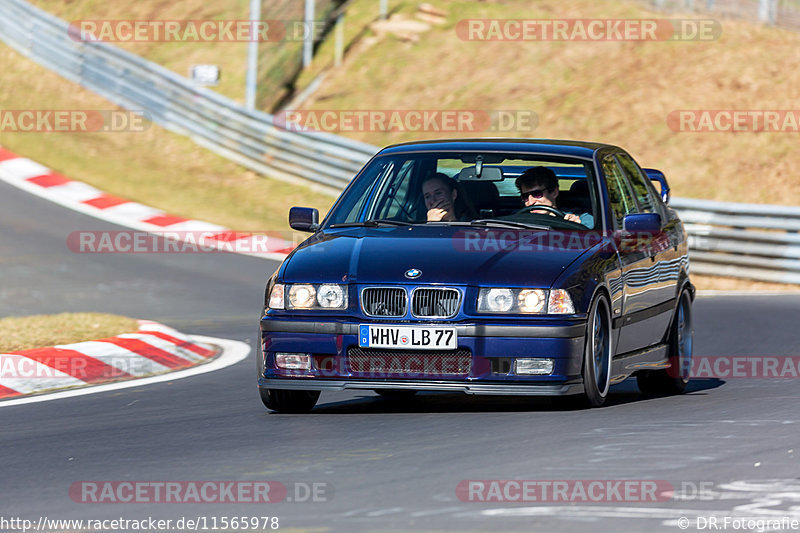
[{"x": 539, "y": 186}]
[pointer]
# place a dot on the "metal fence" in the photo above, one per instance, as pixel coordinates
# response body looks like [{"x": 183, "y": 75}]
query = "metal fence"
[
  {"x": 753, "y": 241},
  {"x": 743, "y": 240},
  {"x": 784, "y": 13},
  {"x": 213, "y": 121}
]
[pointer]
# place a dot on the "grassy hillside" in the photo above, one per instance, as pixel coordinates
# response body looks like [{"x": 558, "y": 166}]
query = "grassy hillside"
[
  {"x": 154, "y": 167},
  {"x": 179, "y": 57},
  {"x": 278, "y": 61},
  {"x": 615, "y": 92}
]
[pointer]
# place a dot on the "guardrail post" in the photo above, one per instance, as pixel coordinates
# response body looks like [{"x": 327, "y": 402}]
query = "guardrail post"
[
  {"x": 252, "y": 59},
  {"x": 308, "y": 34},
  {"x": 768, "y": 11}
]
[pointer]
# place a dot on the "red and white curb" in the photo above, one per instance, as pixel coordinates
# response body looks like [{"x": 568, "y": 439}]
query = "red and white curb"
[
  {"x": 37, "y": 179},
  {"x": 154, "y": 349}
]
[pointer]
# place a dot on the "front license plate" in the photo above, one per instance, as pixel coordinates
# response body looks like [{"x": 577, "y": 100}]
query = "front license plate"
[{"x": 407, "y": 337}]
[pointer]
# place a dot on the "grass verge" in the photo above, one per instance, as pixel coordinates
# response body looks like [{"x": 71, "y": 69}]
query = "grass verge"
[
  {"x": 154, "y": 167},
  {"x": 40, "y": 331}
]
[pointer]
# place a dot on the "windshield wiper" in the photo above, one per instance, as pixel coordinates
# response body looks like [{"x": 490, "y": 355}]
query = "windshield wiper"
[
  {"x": 507, "y": 224},
  {"x": 372, "y": 223}
]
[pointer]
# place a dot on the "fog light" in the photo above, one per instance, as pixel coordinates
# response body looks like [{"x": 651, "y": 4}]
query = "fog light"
[
  {"x": 533, "y": 367},
  {"x": 293, "y": 361}
]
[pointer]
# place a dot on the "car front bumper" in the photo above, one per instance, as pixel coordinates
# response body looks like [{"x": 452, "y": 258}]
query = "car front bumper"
[
  {"x": 492, "y": 347},
  {"x": 476, "y": 387}
]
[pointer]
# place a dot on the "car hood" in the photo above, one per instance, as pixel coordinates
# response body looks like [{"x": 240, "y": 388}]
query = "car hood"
[{"x": 444, "y": 254}]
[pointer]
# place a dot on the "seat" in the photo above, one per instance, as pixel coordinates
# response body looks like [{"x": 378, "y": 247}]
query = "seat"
[
  {"x": 482, "y": 195},
  {"x": 576, "y": 199}
]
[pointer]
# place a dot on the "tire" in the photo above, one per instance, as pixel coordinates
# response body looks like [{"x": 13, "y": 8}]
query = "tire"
[
  {"x": 395, "y": 394},
  {"x": 289, "y": 401},
  {"x": 673, "y": 380},
  {"x": 597, "y": 354}
]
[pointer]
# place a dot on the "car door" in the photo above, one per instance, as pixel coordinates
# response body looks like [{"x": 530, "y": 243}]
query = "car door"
[
  {"x": 622, "y": 203},
  {"x": 651, "y": 268}
]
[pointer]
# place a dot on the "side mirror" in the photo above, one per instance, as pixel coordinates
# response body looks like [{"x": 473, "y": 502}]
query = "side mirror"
[
  {"x": 642, "y": 222},
  {"x": 657, "y": 175},
  {"x": 304, "y": 219}
]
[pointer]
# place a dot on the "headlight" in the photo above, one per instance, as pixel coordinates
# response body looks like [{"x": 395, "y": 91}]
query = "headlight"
[
  {"x": 302, "y": 296},
  {"x": 276, "y": 297},
  {"x": 331, "y": 296},
  {"x": 307, "y": 296},
  {"x": 495, "y": 300},
  {"x": 525, "y": 301},
  {"x": 531, "y": 301}
]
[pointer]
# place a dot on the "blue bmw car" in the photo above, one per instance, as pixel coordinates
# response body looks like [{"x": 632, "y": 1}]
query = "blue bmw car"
[{"x": 489, "y": 266}]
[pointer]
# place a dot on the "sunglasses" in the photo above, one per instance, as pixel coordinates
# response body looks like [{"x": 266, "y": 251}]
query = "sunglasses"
[{"x": 536, "y": 193}]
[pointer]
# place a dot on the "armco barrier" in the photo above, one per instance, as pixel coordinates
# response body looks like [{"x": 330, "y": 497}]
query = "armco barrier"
[
  {"x": 216, "y": 122},
  {"x": 743, "y": 240}
]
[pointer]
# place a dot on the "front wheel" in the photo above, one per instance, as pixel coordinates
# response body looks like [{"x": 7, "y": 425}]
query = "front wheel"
[
  {"x": 597, "y": 353},
  {"x": 289, "y": 401},
  {"x": 674, "y": 379}
]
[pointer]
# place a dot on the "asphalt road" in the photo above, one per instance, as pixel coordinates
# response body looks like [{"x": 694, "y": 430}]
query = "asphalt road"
[{"x": 384, "y": 465}]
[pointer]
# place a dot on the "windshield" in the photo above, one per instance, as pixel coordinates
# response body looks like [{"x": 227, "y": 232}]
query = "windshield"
[{"x": 470, "y": 188}]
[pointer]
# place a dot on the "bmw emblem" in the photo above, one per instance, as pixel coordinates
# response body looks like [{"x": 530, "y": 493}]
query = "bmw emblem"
[{"x": 413, "y": 273}]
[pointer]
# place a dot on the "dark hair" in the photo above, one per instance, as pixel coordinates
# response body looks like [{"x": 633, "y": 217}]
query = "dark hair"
[
  {"x": 444, "y": 178},
  {"x": 538, "y": 176}
]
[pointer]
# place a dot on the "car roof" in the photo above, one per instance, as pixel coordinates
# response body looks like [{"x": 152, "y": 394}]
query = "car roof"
[{"x": 546, "y": 146}]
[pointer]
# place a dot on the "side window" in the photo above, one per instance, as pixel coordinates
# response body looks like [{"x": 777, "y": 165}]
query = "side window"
[
  {"x": 619, "y": 194},
  {"x": 394, "y": 191},
  {"x": 351, "y": 205},
  {"x": 645, "y": 194}
]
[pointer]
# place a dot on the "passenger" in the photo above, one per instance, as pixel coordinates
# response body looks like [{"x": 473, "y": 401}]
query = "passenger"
[
  {"x": 440, "y": 193},
  {"x": 539, "y": 186}
]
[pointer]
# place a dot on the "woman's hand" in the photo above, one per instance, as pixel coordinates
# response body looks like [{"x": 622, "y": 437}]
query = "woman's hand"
[{"x": 438, "y": 214}]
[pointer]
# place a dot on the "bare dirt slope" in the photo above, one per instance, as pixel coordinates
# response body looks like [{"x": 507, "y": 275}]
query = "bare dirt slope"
[{"x": 614, "y": 92}]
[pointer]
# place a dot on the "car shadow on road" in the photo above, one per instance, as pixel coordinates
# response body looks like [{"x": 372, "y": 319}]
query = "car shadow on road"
[
  {"x": 447, "y": 402},
  {"x": 628, "y": 392}
]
